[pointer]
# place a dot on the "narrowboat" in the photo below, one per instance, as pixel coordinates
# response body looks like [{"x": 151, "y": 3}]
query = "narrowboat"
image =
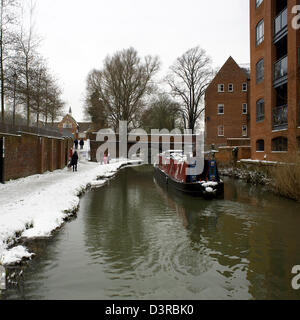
[{"x": 174, "y": 170}]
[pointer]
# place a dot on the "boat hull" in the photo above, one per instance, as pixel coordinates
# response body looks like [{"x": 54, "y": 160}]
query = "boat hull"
[{"x": 193, "y": 189}]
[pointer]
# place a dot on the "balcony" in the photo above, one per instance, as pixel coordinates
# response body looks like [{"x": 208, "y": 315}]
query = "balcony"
[
  {"x": 280, "y": 117},
  {"x": 281, "y": 25},
  {"x": 281, "y": 71}
]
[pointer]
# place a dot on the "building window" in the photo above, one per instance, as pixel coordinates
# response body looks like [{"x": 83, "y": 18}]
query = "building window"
[
  {"x": 245, "y": 87},
  {"x": 260, "y": 32},
  {"x": 67, "y": 125},
  {"x": 245, "y": 108},
  {"x": 280, "y": 144},
  {"x": 220, "y": 87},
  {"x": 220, "y": 108},
  {"x": 258, "y": 3},
  {"x": 244, "y": 131},
  {"x": 230, "y": 87},
  {"x": 260, "y": 71},
  {"x": 221, "y": 131},
  {"x": 260, "y": 145},
  {"x": 260, "y": 110}
]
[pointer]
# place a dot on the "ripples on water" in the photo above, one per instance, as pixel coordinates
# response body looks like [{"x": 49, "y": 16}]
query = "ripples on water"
[{"x": 133, "y": 239}]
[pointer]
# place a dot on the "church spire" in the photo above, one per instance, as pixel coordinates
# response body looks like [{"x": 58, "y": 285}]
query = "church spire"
[{"x": 70, "y": 111}]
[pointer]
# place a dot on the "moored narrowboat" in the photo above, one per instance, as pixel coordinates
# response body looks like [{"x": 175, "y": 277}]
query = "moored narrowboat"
[{"x": 174, "y": 169}]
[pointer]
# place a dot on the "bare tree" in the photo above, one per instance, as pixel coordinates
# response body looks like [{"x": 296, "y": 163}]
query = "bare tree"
[
  {"x": 162, "y": 113},
  {"x": 188, "y": 79},
  {"x": 123, "y": 84},
  {"x": 94, "y": 108},
  {"x": 7, "y": 20},
  {"x": 55, "y": 102},
  {"x": 38, "y": 95},
  {"x": 26, "y": 50}
]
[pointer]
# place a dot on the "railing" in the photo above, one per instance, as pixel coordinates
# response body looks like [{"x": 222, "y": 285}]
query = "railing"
[
  {"x": 280, "y": 117},
  {"x": 43, "y": 131},
  {"x": 280, "y": 22},
  {"x": 281, "y": 68}
]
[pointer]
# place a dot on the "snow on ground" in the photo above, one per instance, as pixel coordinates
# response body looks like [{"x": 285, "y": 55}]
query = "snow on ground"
[{"x": 37, "y": 205}]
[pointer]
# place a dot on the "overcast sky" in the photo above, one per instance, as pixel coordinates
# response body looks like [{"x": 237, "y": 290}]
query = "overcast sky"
[{"x": 78, "y": 35}]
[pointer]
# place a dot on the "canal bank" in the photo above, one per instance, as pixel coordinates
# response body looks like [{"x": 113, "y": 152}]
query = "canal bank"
[
  {"x": 137, "y": 239},
  {"x": 282, "y": 178},
  {"x": 35, "y": 206}
]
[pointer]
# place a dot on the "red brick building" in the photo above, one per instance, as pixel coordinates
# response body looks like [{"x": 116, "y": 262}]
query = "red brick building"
[
  {"x": 275, "y": 94},
  {"x": 78, "y": 129},
  {"x": 227, "y": 106}
]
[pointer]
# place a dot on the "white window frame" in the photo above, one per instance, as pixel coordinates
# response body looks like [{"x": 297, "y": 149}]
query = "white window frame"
[
  {"x": 230, "y": 84},
  {"x": 245, "y": 84},
  {"x": 244, "y": 104},
  {"x": 258, "y": 3},
  {"x": 260, "y": 32},
  {"x": 223, "y": 129},
  {"x": 221, "y": 85},
  {"x": 221, "y": 105},
  {"x": 67, "y": 125},
  {"x": 244, "y": 132}
]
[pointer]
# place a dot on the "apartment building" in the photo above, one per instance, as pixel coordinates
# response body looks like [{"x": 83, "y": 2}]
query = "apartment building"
[
  {"x": 274, "y": 85},
  {"x": 227, "y": 106}
]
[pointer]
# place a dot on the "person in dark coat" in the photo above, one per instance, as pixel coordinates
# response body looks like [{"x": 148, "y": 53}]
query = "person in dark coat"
[
  {"x": 81, "y": 144},
  {"x": 76, "y": 144},
  {"x": 74, "y": 161}
]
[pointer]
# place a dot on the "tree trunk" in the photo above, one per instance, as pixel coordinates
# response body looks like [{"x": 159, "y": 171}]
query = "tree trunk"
[
  {"x": 14, "y": 105},
  {"x": 2, "y": 78}
]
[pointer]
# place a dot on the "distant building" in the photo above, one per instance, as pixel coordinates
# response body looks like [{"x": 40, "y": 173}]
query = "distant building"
[
  {"x": 78, "y": 129},
  {"x": 275, "y": 82},
  {"x": 227, "y": 106}
]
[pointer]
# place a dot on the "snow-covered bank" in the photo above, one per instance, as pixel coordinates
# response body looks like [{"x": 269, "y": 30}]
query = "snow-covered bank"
[
  {"x": 36, "y": 206},
  {"x": 251, "y": 176}
]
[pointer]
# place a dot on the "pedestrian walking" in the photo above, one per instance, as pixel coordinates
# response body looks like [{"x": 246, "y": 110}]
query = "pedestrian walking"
[
  {"x": 105, "y": 159},
  {"x": 76, "y": 144},
  {"x": 74, "y": 161},
  {"x": 81, "y": 144},
  {"x": 70, "y": 159}
]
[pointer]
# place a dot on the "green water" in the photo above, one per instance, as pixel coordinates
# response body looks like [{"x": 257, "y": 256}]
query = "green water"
[{"x": 134, "y": 239}]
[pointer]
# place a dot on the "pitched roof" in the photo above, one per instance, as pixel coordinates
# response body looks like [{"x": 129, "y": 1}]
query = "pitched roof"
[
  {"x": 243, "y": 67},
  {"x": 84, "y": 126}
]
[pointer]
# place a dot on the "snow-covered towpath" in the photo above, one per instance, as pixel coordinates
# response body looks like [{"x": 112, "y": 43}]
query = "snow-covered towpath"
[{"x": 35, "y": 206}]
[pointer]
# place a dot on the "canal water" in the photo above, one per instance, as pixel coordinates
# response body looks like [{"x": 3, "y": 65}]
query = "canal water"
[{"x": 134, "y": 239}]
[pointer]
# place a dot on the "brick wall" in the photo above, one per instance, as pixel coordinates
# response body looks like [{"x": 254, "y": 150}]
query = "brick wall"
[
  {"x": 263, "y": 130},
  {"x": 225, "y": 156},
  {"x": 29, "y": 154}
]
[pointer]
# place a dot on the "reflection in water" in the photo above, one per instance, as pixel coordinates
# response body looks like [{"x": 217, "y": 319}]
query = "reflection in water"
[{"x": 136, "y": 239}]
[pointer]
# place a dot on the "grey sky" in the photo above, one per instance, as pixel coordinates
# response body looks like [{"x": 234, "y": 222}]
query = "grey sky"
[{"x": 79, "y": 34}]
